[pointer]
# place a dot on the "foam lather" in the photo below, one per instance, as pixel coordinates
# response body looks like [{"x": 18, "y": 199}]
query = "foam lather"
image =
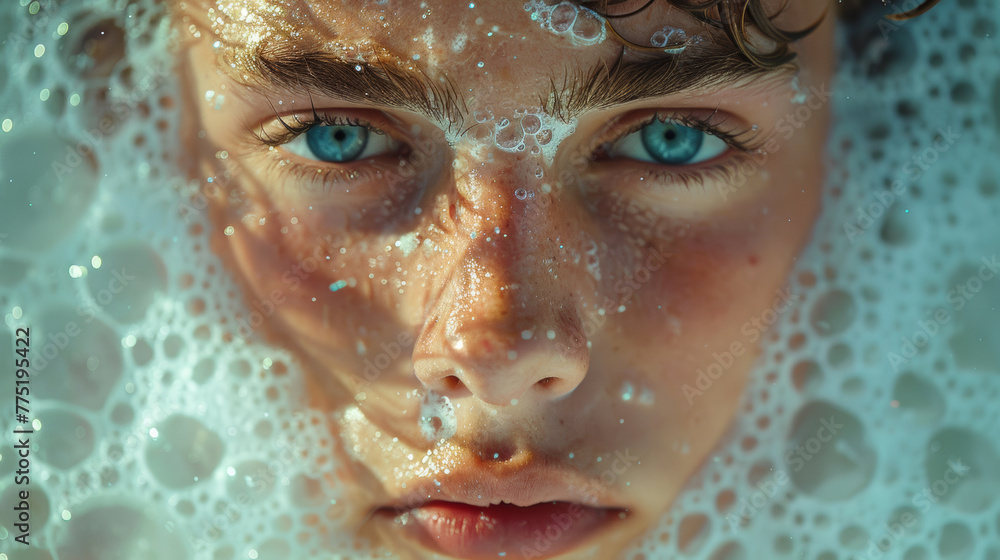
[{"x": 868, "y": 429}]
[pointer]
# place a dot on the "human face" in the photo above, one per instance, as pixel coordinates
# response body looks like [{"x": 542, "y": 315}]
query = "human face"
[{"x": 571, "y": 322}]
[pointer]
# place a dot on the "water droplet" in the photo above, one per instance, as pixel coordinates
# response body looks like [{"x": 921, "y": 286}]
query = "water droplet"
[
  {"x": 668, "y": 35},
  {"x": 339, "y": 284},
  {"x": 531, "y": 124},
  {"x": 627, "y": 391},
  {"x": 521, "y": 194},
  {"x": 437, "y": 417}
]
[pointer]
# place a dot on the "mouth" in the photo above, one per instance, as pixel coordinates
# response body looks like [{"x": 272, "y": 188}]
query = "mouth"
[
  {"x": 502, "y": 530},
  {"x": 530, "y": 513}
]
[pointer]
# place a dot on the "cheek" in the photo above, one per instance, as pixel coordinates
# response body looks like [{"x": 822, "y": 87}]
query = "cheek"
[{"x": 717, "y": 276}]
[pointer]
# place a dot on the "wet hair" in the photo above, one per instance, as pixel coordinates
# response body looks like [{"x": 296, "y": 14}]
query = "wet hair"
[{"x": 735, "y": 17}]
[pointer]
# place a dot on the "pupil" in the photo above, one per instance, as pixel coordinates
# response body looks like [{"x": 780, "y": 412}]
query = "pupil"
[
  {"x": 339, "y": 135},
  {"x": 670, "y": 134}
]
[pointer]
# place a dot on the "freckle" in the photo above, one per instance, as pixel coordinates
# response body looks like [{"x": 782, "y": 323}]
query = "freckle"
[{"x": 753, "y": 260}]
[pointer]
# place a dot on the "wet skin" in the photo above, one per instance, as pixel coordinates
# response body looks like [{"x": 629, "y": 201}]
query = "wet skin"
[{"x": 606, "y": 270}]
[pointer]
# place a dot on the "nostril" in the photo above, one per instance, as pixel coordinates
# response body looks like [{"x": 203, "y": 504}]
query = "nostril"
[
  {"x": 499, "y": 453},
  {"x": 548, "y": 381},
  {"x": 452, "y": 383}
]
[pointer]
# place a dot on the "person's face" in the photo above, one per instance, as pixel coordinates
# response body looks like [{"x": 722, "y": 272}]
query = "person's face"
[{"x": 493, "y": 315}]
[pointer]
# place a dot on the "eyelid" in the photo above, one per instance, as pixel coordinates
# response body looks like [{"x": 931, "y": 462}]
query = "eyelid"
[
  {"x": 284, "y": 128},
  {"x": 741, "y": 138}
]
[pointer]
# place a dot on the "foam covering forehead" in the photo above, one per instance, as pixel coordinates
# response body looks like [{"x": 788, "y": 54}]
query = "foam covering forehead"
[{"x": 868, "y": 429}]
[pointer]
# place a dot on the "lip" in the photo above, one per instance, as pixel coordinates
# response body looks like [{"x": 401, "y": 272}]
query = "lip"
[{"x": 495, "y": 514}]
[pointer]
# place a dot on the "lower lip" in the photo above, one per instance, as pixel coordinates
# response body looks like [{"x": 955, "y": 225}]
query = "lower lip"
[{"x": 504, "y": 530}]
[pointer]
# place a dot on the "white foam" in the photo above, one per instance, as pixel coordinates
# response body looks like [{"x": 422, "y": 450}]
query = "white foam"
[
  {"x": 437, "y": 417},
  {"x": 579, "y": 25},
  {"x": 154, "y": 374}
]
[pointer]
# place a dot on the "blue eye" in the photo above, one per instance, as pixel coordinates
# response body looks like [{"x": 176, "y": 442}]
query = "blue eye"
[
  {"x": 340, "y": 143},
  {"x": 669, "y": 143},
  {"x": 337, "y": 143}
]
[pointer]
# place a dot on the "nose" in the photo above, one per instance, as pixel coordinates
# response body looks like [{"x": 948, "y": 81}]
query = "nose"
[{"x": 506, "y": 327}]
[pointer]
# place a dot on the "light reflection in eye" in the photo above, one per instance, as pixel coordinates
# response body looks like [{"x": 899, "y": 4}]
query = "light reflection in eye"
[
  {"x": 669, "y": 143},
  {"x": 340, "y": 143}
]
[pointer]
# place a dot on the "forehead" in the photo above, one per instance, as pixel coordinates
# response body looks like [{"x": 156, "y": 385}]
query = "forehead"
[{"x": 505, "y": 39}]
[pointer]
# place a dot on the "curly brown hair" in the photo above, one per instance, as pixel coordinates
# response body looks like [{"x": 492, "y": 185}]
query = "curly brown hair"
[{"x": 734, "y": 17}]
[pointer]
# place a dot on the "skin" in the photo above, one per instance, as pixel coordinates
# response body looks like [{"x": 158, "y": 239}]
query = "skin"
[{"x": 610, "y": 280}]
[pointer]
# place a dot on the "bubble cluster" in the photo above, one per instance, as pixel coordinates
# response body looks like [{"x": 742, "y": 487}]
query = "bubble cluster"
[
  {"x": 437, "y": 417},
  {"x": 870, "y": 421},
  {"x": 579, "y": 25},
  {"x": 866, "y": 429},
  {"x": 157, "y": 434},
  {"x": 671, "y": 40},
  {"x": 516, "y": 129}
]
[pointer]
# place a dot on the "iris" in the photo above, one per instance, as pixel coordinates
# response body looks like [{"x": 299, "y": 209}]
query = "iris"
[
  {"x": 671, "y": 143},
  {"x": 338, "y": 144}
]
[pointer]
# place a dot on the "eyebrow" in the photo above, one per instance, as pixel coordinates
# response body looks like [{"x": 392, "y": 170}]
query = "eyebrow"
[
  {"x": 381, "y": 83},
  {"x": 309, "y": 71},
  {"x": 708, "y": 69}
]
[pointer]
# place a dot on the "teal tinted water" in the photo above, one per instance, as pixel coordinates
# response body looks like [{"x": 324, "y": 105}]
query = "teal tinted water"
[{"x": 868, "y": 430}]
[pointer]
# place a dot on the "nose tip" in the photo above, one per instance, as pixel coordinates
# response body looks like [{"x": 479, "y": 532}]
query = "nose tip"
[
  {"x": 503, "y": 328},
  {"x": 498, "y": 361},
  {"x": 502, "y": 374}
]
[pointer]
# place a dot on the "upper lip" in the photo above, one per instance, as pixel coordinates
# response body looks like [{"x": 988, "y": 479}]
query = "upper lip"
[{"x": 520, "y": 486}]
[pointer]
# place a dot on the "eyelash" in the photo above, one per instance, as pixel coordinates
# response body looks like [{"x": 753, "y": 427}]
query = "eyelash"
[
  {"x": 744, "y": 141},
  {"x": 316, "y": 175},
  {"x": 301, "y": 127}
]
